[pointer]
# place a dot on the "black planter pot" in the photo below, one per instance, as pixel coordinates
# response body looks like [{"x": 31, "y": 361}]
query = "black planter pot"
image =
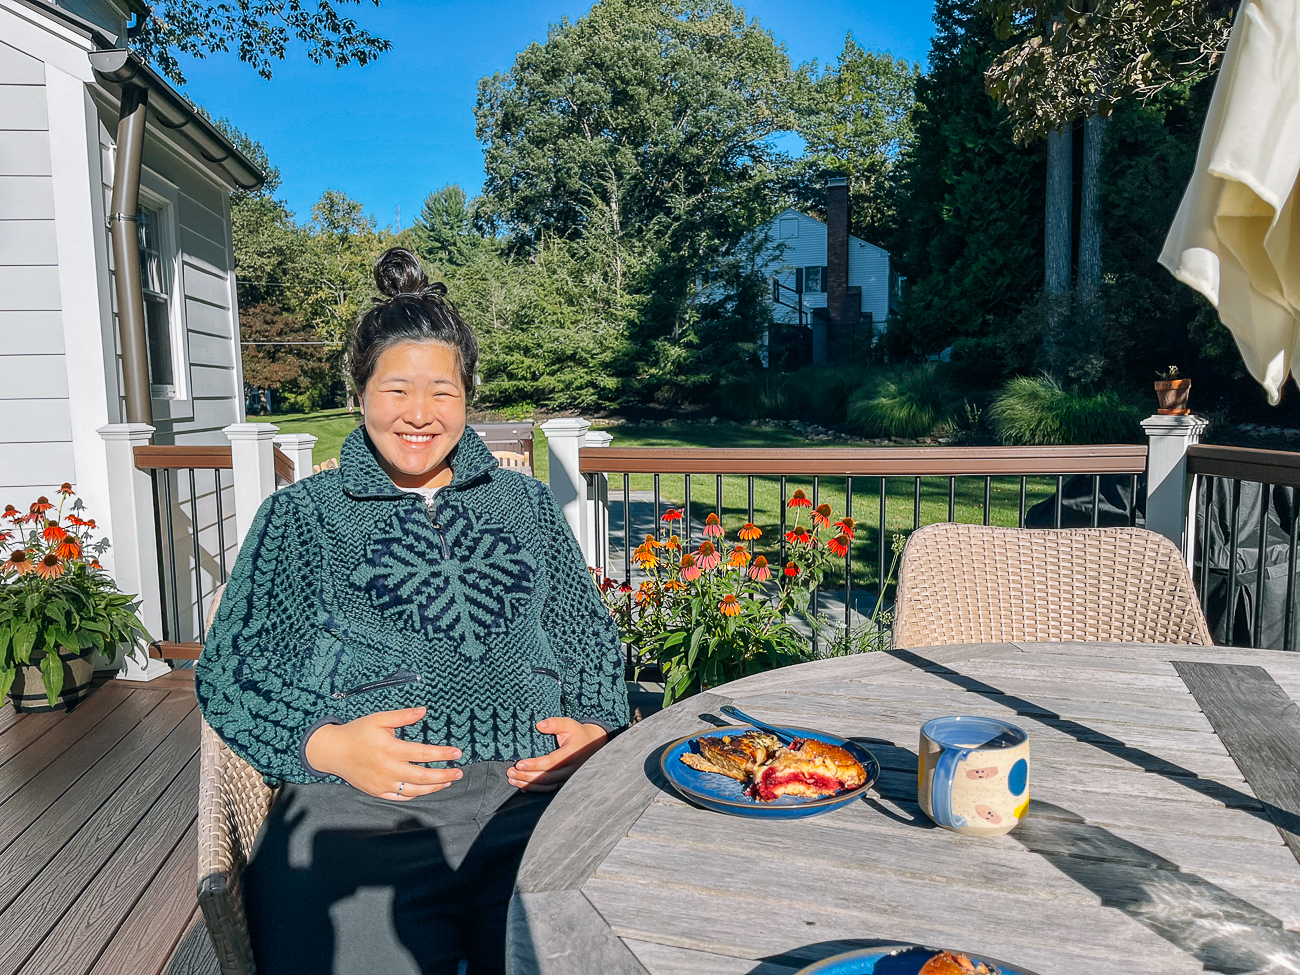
[{"x": 28, "y": 690}]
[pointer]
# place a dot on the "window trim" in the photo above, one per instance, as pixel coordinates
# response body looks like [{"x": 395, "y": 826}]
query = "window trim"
[{"x": 161, "y": 196}]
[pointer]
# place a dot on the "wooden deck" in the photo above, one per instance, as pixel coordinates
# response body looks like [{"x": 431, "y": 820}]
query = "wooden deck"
[{"x": 97, "y": 835}]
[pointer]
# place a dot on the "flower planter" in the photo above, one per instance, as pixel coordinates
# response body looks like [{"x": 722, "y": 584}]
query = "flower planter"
[
  {"x": 1171, "y": 396},
  {"x": 28, "y": 690}
]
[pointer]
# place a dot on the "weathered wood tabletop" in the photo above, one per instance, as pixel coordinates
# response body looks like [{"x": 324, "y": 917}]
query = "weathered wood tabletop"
[{"x": 1145, "y": 850}]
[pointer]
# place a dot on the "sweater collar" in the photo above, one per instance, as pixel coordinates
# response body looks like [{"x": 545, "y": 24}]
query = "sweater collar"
[{"x": 364, "y": 478}]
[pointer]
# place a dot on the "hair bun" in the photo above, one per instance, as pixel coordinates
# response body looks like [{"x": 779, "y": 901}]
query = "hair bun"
[{"x": 398, "y": 271}]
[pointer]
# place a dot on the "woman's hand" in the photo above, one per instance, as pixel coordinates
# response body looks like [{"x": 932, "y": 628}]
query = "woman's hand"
[
  {"x": 577, "y": 743},
  {"x": 367, "y": 754}
]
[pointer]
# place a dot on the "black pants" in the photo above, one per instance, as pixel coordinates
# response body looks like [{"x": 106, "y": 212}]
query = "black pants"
[{"x": 342, "y": 883}]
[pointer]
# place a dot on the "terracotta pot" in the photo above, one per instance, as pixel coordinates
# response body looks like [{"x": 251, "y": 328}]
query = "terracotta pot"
[
  {"x": 1171, "y": 395},
  {"x": 28, "y": 690}
]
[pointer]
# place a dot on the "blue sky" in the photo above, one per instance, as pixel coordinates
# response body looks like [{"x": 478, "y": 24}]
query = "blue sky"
[{"x": 390, "y": 133}]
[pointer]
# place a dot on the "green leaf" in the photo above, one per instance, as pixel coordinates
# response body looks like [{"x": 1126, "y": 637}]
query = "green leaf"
[
  {"x": 7, "y": 675},
  {"x": 52, "y": 675},
  {"x": 24, "y": 640},
  {"x": 696, "y": 636}
]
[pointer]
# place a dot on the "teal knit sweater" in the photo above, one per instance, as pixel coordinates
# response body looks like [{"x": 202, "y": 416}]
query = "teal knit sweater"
[{"x": 351, "y": 596}]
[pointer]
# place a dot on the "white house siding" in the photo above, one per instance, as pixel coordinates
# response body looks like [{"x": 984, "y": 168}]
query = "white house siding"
[{"x": 36, "y": 450}]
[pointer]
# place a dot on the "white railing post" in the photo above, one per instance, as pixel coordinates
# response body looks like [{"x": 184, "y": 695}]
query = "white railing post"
[
  {"x": 252, "y": 455},
  {"x": 135, "y": 541},
  {"x": 564, "y": 438},
  {"x": 298, "y": 448},
  {"x": 1171, "y": 507},
  {"x": 598, "y": 505}
]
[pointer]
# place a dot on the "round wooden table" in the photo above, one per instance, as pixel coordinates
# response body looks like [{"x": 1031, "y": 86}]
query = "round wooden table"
[{"x": 1165, "y": 787}]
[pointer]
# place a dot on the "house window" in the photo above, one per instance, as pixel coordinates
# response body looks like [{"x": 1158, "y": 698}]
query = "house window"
[
  {"x": 156, "y": 284},
  {"x": 814, "y": 280},
  {"x": 789, "y": 227}
]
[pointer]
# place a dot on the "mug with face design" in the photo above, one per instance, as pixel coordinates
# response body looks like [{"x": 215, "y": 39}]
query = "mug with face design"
[{"x": 973, "y": 774}]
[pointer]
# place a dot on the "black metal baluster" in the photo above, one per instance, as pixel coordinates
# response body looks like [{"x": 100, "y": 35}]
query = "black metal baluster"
[
  {"x": 171, "y": 554},
  {"x": 198, "y": 555},
  {"x": 816, "y": 589},
  {"x": 1289, "y": 618},
  {"x": 221, "y": 525},
  {"x": 751, "y": 511},
  {"x": 1060, "y": 488},
  {"x": 988, "y": 497},
  {"x": 916, "y": 505},
  {"x": 1096, "y": 499},
  {"x": 782, "y": 529},
  {"x": 882, "y": 534},
  {"x": 158, "y": 534},
  {"x": 718, "y": 507},
  {"x": 627, "y": 528},
  {"x": 952, "y": 499},
  {"x": 1133, "y": 504},
  {"x": 1206, "y": 487},
  {"x": 1264, "y": 493},
  {"x": 1024, "y": 490},
  {"x": 1234, "y": 500},
  {"x": 686, "y": 511},
  {"x": 656, "y": 528},
  {"x": 848, "y": 562}
]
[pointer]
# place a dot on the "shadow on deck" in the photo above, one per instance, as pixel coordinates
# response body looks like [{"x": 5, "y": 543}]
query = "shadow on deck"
[{"x": 98, "y": 856}]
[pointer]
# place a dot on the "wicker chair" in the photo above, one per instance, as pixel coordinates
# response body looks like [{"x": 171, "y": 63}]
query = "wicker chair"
[
  {"x": 233, "y": 802},
  {"x": 971, "y": 584}
]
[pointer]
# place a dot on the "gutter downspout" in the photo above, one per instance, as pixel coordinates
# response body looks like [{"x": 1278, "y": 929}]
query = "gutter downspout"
[{"x": 126, "y": 253}]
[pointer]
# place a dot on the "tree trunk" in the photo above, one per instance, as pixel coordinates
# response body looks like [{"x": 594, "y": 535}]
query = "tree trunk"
[
  {"x": 1057, "y": 241},
  {"x": 1088, "y": 284}
]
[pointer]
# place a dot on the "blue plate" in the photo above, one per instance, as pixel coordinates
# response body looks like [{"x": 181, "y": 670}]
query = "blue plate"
[
  {"x": 717, "y": 792},
  {"x": 893, "y": 960}
]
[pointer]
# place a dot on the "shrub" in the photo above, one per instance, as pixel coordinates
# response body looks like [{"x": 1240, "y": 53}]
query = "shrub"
[
  {"x": 1039, "y": 410},
  {"x": 820, "y": 394},
  {"x": 759, "y": 395},
  {"x": 915, "y": 401}
]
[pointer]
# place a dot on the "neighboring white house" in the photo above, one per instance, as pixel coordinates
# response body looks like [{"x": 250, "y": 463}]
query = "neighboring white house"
[
  {"x": 797, "y": 243},
  {"x": 63, "y": 72}
]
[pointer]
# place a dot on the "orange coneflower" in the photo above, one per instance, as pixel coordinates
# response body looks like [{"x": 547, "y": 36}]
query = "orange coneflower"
[
  {"x": 644, "y": 594},
  {"x": 798, "y": 500},
  {"x": 672, "y": 585},
  {"x": 759, "y": 571},
  {"x": 839, "y": 545},
  {"x": 708, "y": 556},
  {"x": 730, "y": 605},
  {"x": 53, "y": 533},
  {"x": 673, "y": 543},
  {"x": 19, "y": 561},
  {"x": 690, "y": 571},
  {"x": 625, "y": 587},
  {"x": 800, "y": 535},
  {"x": 49, "y": 567},
  {"x": 90, "y": 523},
  {"x": 644, "y": 557},
  {"x": 822, "y": 516},
  {"x": 739, "y": 557},
  {"x": 65, "y": 489},
  {"x": 41, "y": 505},
  {"x": 11, "y": 513},
  {"x": 672, "y": 514},
  {"x": 845, "y": 526},
  {"x": 791, "y": 569},
  {"x": 68, "y": 549},
  {"x": 94, "y": 564},
  {"x": 749, "y": 532},
  {"x": 712, "y": 527},
  {"x": 650, "y": 542}
]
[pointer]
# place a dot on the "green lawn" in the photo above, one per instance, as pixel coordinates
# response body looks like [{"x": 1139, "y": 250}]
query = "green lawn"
[{"x": 332, "y": 426}]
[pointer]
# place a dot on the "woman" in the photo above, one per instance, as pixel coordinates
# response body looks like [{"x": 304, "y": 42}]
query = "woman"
[{"x": 412, "y": 645}]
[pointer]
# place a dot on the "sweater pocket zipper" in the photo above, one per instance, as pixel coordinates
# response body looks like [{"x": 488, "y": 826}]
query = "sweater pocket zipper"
[
  {"x": 395, "y": 679},
  {"x": 547, "y": 672}
]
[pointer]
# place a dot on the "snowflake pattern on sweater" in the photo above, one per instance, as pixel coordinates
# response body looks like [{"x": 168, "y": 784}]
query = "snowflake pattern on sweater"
[{"x": 351, "y": 596}]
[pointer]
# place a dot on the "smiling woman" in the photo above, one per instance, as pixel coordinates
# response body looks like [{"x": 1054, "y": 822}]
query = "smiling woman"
[{"x": 411, "y": 643}]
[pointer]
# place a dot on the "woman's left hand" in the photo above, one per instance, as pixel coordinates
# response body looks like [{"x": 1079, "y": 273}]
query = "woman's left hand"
[{"x": 546, "y": 773}]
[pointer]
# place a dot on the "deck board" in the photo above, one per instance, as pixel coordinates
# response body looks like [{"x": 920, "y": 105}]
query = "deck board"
[{"x": 97, "y": 835}]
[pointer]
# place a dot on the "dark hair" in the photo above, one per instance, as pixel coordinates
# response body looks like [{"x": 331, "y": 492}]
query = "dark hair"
[{"x": 412, "y": 311}]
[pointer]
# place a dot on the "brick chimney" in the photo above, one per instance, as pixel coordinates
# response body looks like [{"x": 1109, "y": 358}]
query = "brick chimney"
[{"x": 837, "y": 247}]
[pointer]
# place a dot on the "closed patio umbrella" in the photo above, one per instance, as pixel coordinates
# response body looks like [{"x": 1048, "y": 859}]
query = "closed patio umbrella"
[{"x": 1236, "y": 238}]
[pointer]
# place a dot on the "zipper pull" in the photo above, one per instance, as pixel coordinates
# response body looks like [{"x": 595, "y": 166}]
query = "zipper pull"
[{"x": 442, "y": 540}]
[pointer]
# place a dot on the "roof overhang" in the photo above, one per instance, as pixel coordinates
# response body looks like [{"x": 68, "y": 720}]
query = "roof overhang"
[{"x": 118, "y": 68}]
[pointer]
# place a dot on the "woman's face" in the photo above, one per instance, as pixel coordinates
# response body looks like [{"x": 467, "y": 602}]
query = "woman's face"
[{"x": 414, "y": 408}]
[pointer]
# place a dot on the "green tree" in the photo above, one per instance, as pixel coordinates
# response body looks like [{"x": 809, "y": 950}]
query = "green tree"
[
  {"x": 260, "y": 31},
  {"x": 970, "y": 244},
  {"x": 445, "y": 232},
  {"x": 338, "y": 264},
  {"x": 859, "y": 123}
]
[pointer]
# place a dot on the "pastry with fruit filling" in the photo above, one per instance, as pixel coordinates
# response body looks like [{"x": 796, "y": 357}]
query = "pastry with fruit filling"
[
  {"x": 736, "y": 756},
  {"x": 955, "y": 963},
  {"x": 810, "y": 769}
]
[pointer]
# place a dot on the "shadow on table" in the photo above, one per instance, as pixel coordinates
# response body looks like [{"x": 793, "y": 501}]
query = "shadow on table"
[{"x": 798, "y": 958}]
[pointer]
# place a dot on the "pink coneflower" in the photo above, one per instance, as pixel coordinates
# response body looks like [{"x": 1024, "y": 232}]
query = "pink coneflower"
[
  {"x": 19, "y": 561},
  {"x": 759, "y": 571},
  {"x": 839, "y": 545},
  {"x": 49, "y": 567},
  {"x": 708, "y": 556},
  {"x": 798, "y": 500},
  {"x": 690, "y": 571},
  {"x": 822, "y": 516},
  {"x": 730, "y": 605},
  {"x": 712, "y": 527},
  {"x": 749, "y": 532}
]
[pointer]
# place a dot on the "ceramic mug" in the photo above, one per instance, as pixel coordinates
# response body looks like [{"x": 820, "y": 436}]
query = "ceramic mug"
[{"x": 973, "y": 774}]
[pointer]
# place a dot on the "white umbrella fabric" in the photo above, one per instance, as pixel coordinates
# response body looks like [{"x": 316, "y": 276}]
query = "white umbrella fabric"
[{"x": 1236, "y": 238}]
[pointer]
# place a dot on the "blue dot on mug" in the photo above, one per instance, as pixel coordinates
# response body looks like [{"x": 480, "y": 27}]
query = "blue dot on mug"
[{"x": 1018, "y": 777}]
